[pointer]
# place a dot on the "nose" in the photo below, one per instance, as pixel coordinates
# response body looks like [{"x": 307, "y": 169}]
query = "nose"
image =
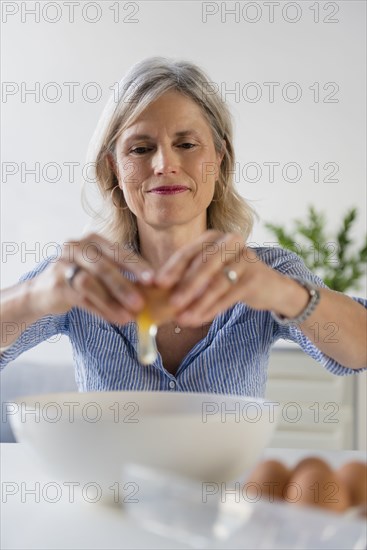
[{"x": 165, "y": 161}]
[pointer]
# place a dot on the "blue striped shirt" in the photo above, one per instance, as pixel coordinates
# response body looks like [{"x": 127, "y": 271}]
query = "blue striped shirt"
[{"x": 231, "y": 359}]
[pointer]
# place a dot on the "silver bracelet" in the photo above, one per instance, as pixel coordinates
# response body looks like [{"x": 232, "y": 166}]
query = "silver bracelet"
[{"x": 310, "y": 306}]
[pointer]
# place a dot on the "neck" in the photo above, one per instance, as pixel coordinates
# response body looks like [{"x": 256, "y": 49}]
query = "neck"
[{"x": 157, "y": 244}]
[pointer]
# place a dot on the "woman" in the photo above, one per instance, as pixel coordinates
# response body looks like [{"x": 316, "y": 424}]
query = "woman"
[{"x": 164, "y": 162}]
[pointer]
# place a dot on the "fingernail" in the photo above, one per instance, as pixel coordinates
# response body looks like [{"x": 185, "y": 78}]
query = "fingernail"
[{"x": 146, "y": 276}]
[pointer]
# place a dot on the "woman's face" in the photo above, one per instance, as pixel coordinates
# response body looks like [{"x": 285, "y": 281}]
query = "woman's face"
[{"x": 170, "y": 144}]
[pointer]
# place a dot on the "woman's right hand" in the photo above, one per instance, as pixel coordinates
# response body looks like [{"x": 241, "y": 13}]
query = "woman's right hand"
[{"x": 98, "y": 286}]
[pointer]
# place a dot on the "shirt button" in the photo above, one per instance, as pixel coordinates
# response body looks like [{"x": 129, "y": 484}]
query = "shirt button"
[{"x": 172, "y": 385}]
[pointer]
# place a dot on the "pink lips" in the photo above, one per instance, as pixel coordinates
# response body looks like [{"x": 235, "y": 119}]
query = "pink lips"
[{"x": 169, "y": 189}]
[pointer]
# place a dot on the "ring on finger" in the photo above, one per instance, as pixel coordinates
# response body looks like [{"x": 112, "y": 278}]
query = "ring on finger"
[
  {"x": 231, "y": 275},
  {"x": 71, "y": 273}
]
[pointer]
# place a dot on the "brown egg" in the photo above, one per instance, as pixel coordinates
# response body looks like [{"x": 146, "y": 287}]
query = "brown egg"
[
  {"x": 317, "y": 486},
  {"x": 267, "y": 481},
  {"x": 311, "y": 462},
  {"x": 157, "y": 308},
  {"x": 354, "y": 475}
]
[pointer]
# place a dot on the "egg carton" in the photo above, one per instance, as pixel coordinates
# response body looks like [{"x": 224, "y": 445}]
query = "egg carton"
[
  {"x": 177, "y": 508},
  {"x": 281, "y": 526}
]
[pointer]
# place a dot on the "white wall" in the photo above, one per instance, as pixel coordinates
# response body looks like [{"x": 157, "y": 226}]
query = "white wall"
[{"x": 305, "y": 131}]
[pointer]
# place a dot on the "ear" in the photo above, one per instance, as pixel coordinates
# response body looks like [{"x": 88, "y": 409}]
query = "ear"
[{"x": 112, "y": 163}]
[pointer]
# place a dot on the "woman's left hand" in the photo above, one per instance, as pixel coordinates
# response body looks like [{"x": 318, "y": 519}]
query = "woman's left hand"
[{"x": 198, "y": 275}]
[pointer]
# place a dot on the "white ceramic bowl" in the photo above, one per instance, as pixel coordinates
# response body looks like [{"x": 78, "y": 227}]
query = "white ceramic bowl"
[{"x": 88, "y": 437}]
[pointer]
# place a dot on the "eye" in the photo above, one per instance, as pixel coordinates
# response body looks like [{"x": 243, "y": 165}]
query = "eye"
[
  {"x": 139, "y": 150},
  {"x": 191, "y": 145}
]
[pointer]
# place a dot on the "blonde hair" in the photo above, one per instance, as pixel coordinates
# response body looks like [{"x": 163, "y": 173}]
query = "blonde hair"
[{"x": 144, "y": 83}]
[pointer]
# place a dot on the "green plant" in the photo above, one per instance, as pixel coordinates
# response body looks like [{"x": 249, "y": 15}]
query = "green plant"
[{"x": 332, "y": 259}]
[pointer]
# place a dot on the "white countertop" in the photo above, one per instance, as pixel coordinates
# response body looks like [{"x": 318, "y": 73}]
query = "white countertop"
[{"x": 62, "y": 524}]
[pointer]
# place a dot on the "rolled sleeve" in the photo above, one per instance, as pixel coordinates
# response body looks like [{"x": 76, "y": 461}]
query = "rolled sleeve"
[
  {"x": 290, "y": 264},
  {"x": 296, "y": 335},
  {"x": 38, "y": 332}
]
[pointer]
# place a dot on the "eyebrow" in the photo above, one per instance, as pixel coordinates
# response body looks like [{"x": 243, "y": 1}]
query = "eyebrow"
[{"x": 181, "y": 133}]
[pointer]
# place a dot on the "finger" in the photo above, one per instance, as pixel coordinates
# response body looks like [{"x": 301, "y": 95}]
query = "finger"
[
  {"x": 173, "y": 270},
  {"x": 225, "y": 302},
  {"x": 200, "y": 276},
  {"x": 121, "y": 317},
  {"x": 89, "y": 294},
  {"x": 196, "y": 314},
  {"x": 104, "y": 271},
  {"x": 95, "y": 246},
  {"x": 88, "y": 290},
  {"x": 219, "y": 286},
  {"x": 126, "y": 257},
  {"x": 222, "y": 293}
]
